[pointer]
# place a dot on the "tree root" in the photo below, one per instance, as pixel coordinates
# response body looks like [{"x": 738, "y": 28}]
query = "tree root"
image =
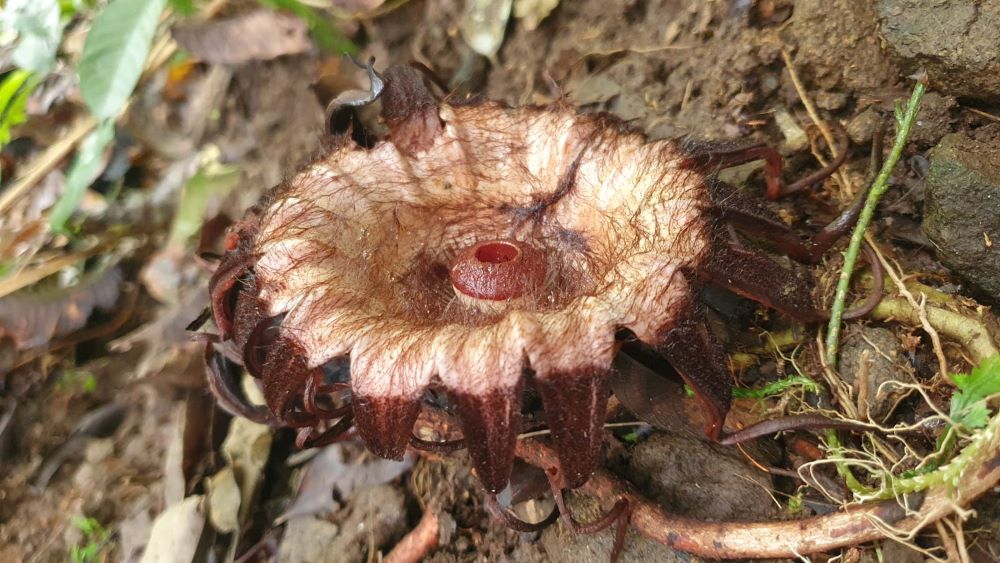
[
  {"x": 971, "y": 333},
  {"x": 855, "y": 524},
  {"x": 419, "y": 542}
]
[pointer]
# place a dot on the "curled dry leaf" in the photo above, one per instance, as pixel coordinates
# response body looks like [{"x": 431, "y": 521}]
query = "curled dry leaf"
[
  {"x": 257, "y": 36},
  {"x": 33, "y": 317}
]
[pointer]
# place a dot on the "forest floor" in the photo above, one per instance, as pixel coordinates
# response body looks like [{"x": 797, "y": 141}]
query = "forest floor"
[{"x": 105, "y": 427}]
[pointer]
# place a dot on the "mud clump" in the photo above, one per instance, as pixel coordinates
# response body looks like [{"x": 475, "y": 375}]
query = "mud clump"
[{"x": 838, "y": 45}]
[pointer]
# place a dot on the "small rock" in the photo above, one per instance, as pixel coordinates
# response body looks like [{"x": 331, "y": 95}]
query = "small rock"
[
  {"x": 862, "y": 127},
  {"x": 629, "y": 107},
  {"x": 307, "y": 540},
  {"x": 955, "y": 41},
  {"x": 593, "y": 89},
  {"x": 962, "y": 209},
  {"x": 376, "y": 517},
  {"x": 795, "y": 137},
  {"x": 830, "y": 100},
  {"x": 671, "y": 469},
  {"x": 880, "y": 352}
]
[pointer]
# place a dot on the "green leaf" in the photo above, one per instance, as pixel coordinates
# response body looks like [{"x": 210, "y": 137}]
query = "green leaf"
[
  {"x": 15, "y": 90},
  {"x": 210, "y": 181},
  {"x": 184, "y": 7},
  {"x": 968, "y": 404},
  {"x": 82, "y": 172},
  {"x": 39, "y": 26},
  {"x": 114, "y": 53}
]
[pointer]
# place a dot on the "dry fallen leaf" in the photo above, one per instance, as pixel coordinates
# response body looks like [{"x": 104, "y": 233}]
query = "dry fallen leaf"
[
  {"x": 34, "y": 316},
  {"x": 224, "y": 501},
  {"x": 484, "y": 24},
  {"x": 176, "y": 532},
  {"x": 329, "y": 471},
  {"x": 246, "y": 448},
  {"x": 260, "y": 35}
]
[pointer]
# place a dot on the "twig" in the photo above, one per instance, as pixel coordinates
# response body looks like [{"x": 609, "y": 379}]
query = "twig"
[
  {"x": 983, "y": 113},
  {"x": 25, "y": 278},
  {"x": 947, "y": 542},
  {"x": 955, "y": 524},
  {"x": 904, "y": 121},
  {"x": 45, "y": 162}
]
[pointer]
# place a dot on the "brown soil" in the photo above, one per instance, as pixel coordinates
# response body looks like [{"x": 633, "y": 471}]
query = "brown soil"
[{"x": 674, "y": 68}]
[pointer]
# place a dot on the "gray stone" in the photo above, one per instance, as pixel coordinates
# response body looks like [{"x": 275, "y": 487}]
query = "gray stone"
[
  {"x": 962, "y": 209},
  {"x": 830, "y": 100},
  {"x": 669, "y": 469},
  {"x": 955, "y": 41},
  {"x": 934, "y": 120},
  {"x": 875, "y": 353},
  {"x": 862, "y": 127}
]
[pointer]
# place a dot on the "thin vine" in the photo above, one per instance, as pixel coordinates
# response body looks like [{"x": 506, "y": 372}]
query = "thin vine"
[{"x": 904, "y": 121}]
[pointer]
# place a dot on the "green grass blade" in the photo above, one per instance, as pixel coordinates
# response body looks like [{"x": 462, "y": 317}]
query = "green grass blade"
[{"x": 81, "y": 174}]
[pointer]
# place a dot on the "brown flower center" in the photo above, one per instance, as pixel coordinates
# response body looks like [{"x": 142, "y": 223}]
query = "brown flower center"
[{"x": 497, "y": 271}]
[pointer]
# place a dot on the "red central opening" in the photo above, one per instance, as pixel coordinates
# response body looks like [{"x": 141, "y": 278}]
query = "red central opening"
[{"x": 496, "y": 252}]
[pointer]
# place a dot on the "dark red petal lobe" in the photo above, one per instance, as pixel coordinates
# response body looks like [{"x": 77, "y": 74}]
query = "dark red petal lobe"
[
  {"x": 221, "y": 285},
  {"x": 410, "y": 110},
  {"x": 575, "y": 404},
  {"x": 385, "y": 423},
  {"x": 249, "y": 312},
  {"x": 283, "y": 379},
  {"x": 490, "y": 424}
]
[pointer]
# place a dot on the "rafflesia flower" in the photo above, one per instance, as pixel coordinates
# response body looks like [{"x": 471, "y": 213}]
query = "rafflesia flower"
[{"x": 469, "y": 249}]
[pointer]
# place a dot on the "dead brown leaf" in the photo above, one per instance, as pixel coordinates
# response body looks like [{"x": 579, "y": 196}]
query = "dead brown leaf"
[
  {"x": 260, "y": 35},
  {"x": 329, "y": 471}
]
